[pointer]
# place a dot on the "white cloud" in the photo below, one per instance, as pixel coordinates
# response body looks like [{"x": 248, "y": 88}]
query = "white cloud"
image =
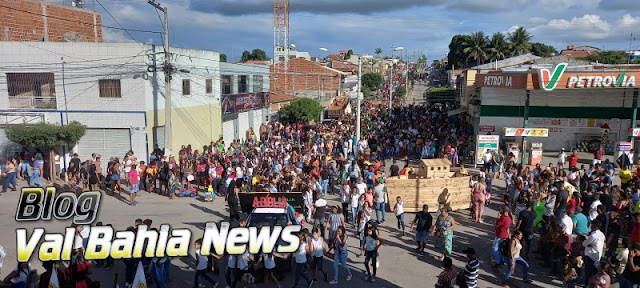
[
  {"x": 587, "y": 27},
  {"x": 560, "y": 5},
  {"x": 117, "y": 36}
]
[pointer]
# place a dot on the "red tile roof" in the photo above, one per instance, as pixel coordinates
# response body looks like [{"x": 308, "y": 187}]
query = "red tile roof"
[{"x": 277, "y": 98}]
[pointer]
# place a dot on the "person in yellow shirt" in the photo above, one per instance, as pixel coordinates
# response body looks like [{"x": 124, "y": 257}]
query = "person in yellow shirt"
[{"x": 625, "y": 176}]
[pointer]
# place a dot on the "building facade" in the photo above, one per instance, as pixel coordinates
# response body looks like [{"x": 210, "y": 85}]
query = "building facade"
[
  {"x": 245, "y": 99},
  {"x": 117, "y": 90},
  {"x": 34, "y": 20},
  {"x": 573, "y": 108}
]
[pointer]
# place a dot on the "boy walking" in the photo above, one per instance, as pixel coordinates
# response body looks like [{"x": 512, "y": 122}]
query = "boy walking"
[{"x": 201, "y": 267}]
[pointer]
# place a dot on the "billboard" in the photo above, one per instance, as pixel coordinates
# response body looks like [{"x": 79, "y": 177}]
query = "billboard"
[
  {"x": 250, "y": 200},
  {"x": 485, "y": 143},
  {"x": 236, "y": 103}
]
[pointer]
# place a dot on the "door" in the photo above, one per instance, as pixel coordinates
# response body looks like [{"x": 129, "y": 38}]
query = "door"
[
  {"x": 106, "y": 142},
  {"x": 243, "y": 125},
  {"x": 7, "y": 147},
  {"x": 158, "y": 136},
  {"x": 228, "y": 131}
]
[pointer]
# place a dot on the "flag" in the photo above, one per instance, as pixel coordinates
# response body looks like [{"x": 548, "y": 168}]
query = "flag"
[
  {"x": 139, "y": 281},
  {"x": 53, "y": 281}
]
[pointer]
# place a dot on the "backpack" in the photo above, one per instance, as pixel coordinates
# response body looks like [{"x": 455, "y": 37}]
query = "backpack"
[{"x": 505, "y": 247}]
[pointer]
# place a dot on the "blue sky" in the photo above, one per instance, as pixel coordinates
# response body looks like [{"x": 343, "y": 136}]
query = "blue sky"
[{"x": 421, "y": 26}]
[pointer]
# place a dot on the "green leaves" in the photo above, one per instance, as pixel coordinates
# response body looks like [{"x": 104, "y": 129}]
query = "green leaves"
[
  {"x": 303, "y": 109},
  {"x": 371, "y": 80},
  {"x": 45, "y": 135}
]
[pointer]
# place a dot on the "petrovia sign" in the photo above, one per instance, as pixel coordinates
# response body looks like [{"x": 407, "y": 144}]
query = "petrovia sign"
[
  {"x": 602, "y": 81},
  {"x": 549, "y": 79}
]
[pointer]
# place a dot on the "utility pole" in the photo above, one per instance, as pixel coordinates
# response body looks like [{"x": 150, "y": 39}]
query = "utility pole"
[
  {"x": 167, "y": 79},
  {"x": 358, "y": 100},
  {"x": 525, "y": 125}
]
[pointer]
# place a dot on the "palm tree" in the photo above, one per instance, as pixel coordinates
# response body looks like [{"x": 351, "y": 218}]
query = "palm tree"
[
  {"x": 476, "y": 47},
  {"x": 520, "y": 41},
  {"x": 378, "y": 51},
  {"x": 498, "y": 47}
]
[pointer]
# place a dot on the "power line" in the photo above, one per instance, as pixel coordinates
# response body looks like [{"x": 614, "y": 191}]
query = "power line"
[
  {"x": 114, "y": 19},
  {"x": 78, "y": 21}
]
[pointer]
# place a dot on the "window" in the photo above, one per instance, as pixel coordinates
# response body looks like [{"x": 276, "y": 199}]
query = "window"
[
  {"x": 186, "y": 87},
  {"x": 208, "y": 86},
  {"x": 242, "y": 84},
  {"x": 31, "y": 90},
  {"x": 110, "y": 88},
  {"x": 257, "y": 83},
  {"x": 226, "y": 84}
]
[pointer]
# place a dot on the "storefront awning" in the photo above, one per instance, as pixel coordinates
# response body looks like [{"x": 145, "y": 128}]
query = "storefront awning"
[{"x": 457, "y": 111}]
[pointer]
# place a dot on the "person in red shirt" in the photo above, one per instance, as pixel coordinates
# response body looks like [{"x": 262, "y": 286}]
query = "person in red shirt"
[
  {"x": 502, "y": 233},
  {"x": 573, "y": 160},
  {"x": 597, "y": 156}
]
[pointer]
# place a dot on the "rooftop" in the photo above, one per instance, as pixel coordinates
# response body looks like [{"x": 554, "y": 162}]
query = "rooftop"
[{"x": 509, "y": 62}]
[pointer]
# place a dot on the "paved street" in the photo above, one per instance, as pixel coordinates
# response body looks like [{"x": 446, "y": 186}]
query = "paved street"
[{"x": 399, "y": 265}]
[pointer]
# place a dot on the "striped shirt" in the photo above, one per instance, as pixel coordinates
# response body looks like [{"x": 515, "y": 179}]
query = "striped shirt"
[{"x": 471, "y": 271}]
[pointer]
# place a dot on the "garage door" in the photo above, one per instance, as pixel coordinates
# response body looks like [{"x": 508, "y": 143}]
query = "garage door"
[
  {"x": 228, "y": 131},
  {"x": 158, "y": 136},
  {"x": 7, "y": 147},
  {"x": 257, "y": 121},
  {"x": 243, "y": 125},
  {"x": 106, "y": 142}
]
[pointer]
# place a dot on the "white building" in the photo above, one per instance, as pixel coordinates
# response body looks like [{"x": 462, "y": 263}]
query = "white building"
[
  {"x": 117, "y": 91},
  {"x": 293, "y": 54}
]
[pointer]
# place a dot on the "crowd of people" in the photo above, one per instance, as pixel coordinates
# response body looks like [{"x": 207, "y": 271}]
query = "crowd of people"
[{"x": 585, "y": 229}]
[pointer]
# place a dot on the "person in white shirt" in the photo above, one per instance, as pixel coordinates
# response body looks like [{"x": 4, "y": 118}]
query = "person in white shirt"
[
  {"x": 361, "y": 187},
  {"x": 201, "y": 266},
  {"x": 562, "y": 157},
  {"x": 567, "y": 224},
  {"x": 593, "y": 209},
  {"x": 2, "y": 255},
  {"x": 593, "y": 250}
]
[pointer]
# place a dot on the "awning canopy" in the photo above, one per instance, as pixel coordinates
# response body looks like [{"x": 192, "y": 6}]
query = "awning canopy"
[{"x": 457, "y": 111}]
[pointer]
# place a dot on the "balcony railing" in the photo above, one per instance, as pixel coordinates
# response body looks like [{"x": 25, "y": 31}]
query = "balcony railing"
[{"x": 33, "y": 102}]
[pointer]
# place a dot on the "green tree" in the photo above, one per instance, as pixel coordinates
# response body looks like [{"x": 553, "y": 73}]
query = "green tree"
[
  {"x": 543, "y": 50},
  {"x": 476, "y": 47},
  {"x": 498, "y": 47},
  {"x": 45, "y": 135},
  {"x": 400, "y": 92},
  {"x": 349, "y": 53},
  {"x": 223, "y": 57},
  {"x": 422, "y": 59},
  {"x": 366, "y": 92},
  {"x": 246, "y": 56},
  {"x": 378, "y": 51},
  {"x": 607, "y": 57},
  {"x": 259, "y": 55},
  {"x": 456, "y": 56},
  {"x": 371, "y": 80},
  {"x": 435, "y": 63},
  {"x": 303, "y": 109},
  {"x": 520, "y": 41}
]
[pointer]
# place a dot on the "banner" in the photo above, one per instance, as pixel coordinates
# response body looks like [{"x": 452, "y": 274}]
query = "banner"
[
  {"x": 528, "y": 132},
  {"x": 236, "y": 103},
  {"x": 251, "y": 200},
  {"x": 485, "y": 143}
]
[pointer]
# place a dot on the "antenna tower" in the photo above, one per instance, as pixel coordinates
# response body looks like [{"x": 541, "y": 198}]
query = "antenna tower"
[{"x": 281, "y": 43}]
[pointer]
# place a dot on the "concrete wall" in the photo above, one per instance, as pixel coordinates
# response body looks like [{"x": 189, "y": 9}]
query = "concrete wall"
[{"x": 31, "y": 20}]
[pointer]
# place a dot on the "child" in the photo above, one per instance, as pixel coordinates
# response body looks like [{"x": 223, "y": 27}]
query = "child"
[
  {"x": 317, "y": 249},
  {"x": 488, "y": 187},
  {"x": 173, "y": 185},
  {"x": 371, "y": 246},
  {"x": 201, "y": 266},
  {"x": 269, "y": 260},
  {"x": 73, "y": 180},
  {"x": 134, "y": 187},
  {"x": 570, "y": 273},
  {"x": 362, "y": 224},
  {"x": 399, "y": 211},
  {"x": 84, "y": 176}
]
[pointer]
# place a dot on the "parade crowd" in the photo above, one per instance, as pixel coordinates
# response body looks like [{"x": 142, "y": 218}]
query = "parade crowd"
[{"x": 583, "y": 228}]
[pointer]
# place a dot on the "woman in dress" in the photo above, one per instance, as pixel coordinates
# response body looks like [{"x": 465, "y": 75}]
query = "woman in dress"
[
  {"x": 443, "y": 230},
  {"x": 336, "y": 220},
  {"x": 479, "y": 193}
]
